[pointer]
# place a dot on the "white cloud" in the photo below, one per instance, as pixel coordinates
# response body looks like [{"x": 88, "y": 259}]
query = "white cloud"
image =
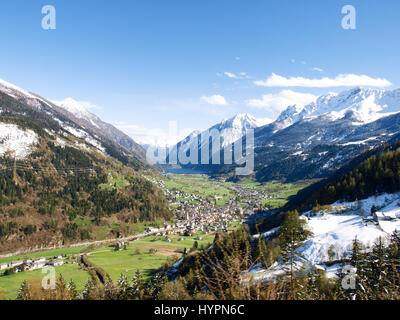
[
  {"x": 230, "y": 75},
  {"x": 240, "y": 75},
  {"x": 342, "y": 80},
  {"x": 277, "y": 102},
  {"x": 318, "y": 69},
  {"x": 215, "y": 99}
]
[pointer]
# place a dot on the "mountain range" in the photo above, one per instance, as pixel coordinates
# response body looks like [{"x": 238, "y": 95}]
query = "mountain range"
[{"x": 314, "y": 140}]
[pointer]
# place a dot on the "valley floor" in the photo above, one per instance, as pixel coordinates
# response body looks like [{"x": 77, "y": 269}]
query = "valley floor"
[{"x": 148, "y": 251}]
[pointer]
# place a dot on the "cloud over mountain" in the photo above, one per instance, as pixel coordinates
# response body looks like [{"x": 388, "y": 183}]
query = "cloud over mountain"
[
  {"x": 215, "y": 99},
  {"x": 342, "y": 80},
  {"x": 277, "y": 102}
]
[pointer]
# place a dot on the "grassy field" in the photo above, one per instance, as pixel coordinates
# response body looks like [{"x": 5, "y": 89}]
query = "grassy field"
[
  {"x": 44, "y": 254},
  {"x": 114, "y": 227},
  {"x": 138, "y": 256},
  {"x": 281, "y": 191},
  {"x": 10, "y": 284},
  {"x": 200, "y": 186}
]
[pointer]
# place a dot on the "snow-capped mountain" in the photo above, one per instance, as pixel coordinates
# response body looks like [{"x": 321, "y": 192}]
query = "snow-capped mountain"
[
  {"x": 74, "y": 118},
  {"x": 228, "y": 130},
  {"x": 22, "y": 95},
  {"x": 362, "y": 105},
  {"x": 313, "y": 140},
  {"x": 92, "y": 122},
  {"x": 79, "y": 109},
  {"x": 236, "y": 127}
]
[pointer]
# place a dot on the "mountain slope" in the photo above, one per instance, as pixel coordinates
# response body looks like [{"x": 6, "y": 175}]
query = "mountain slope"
[
  {"x": 371, "y": 173},
  {"x": 59, "y": 184},
  {"x": 92, "y": 122},
  {"x": 73, "y": 117},
  {"x": 227, "y": 131}
]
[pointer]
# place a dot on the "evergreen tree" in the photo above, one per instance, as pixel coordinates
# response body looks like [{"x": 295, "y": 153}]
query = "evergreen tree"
[
  {"x": 24, "y": 291},
  {"x": 124, "y": 288},
  {"x": 110, "y": 292},
  {"x": 72, "y": 289},
  {"x": 138, "y": 285},
  {"x": 291, "y": 235}
]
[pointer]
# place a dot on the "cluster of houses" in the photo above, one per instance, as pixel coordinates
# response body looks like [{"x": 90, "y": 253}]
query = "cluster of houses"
[
  {"x": 32, "y": 264},
  {"x": 194, "y": 213},
  {"x": 251, "y": 196}
]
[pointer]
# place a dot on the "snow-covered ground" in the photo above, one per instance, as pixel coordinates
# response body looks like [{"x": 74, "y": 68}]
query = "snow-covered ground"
[
  {"x": 78, "y": 133},
  {"x": 334, "y": 231},
  {"x": 15, "y": 140}
]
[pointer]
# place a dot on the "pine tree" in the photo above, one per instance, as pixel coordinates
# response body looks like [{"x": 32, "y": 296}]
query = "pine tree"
[
  {"x": 262, "y": 254},
  {"x": 62, "y": 291},
  {"x": 110, "y": 292},
  {"x": 72, "y": 289},
  {"x": 291, "y": 235},
  {"x": 156, "y": 285},
  {"x": 138, "y": 284},
  {"x": 124, "y": 288},
  {"x": 24, "y": 292},
  {"x": 88, "y": 292},
  {"x": 378, "y": 270}
]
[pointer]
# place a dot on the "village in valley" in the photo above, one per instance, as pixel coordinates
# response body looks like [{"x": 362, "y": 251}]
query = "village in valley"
[
  {"x": 212, "y": 214},
  {"x": 202, "y": 206}
]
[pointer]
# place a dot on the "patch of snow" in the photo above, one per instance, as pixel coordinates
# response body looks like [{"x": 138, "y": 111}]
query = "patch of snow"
[
  {"x": 11, "y": 89},
  {"x": 335, "y": 230},
  {"x": 358, "y": 142},
  {"x": 16, "y": 141},
  {"x": 60, "y": 142},
  {"x": 78, "y": 109}
]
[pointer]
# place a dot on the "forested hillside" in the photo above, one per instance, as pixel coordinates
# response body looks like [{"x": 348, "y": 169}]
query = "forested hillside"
[
  {"x": 371, "y": 173},
  {"x": 65, "y": 189}
]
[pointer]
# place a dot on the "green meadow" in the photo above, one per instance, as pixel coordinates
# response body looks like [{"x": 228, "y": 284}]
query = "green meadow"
[
  {"x": 138, "y": 255},
  {"x": 199, "y": 185},
  {"x": 44, "y": 254},
  {"x": 281, "y": 191},
  {"x": 10, "y": 284}
]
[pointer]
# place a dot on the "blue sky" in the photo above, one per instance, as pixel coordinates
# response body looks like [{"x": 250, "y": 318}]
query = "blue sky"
[{"x": 145, "y": 63}]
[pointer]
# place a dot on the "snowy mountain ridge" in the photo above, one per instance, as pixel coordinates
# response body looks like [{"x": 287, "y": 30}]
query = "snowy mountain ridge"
[
  {"x": 76, "y": 108},
  {"x": 230, "y": 130},
  {"x": 363, "y": 105},
  {"x": 74, "y": 117}
]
